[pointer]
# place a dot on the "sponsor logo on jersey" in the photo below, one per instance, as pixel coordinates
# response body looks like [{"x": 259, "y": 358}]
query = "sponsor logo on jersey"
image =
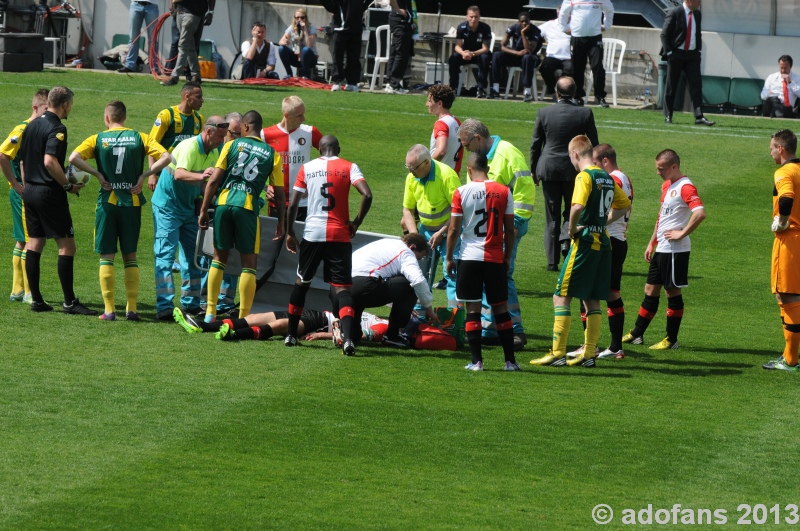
[
  {"x": 301, "y": 141},
  {"x": 158, "y": 122},
  {"x": 14, "y": 139},
  {"x": 673, "y": 193}
]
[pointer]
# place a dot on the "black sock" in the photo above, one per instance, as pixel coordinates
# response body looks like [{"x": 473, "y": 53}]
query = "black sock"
[
  {"x": 646, "y": 313},
  {"x": 66, "y": 276},
  {"x": 616, "y": 323},
  {"x": 674, "y": 317},
  {"x": 237, "y": 323},
  {"x": 473, "y": 327},
  {"x": 346, "y": 313},
  {"x": 296, "y": 302},
  {"x": 505, "y": 331},
  {"x": 266, "y": 332},
  {"x": 32, "y": 270}
]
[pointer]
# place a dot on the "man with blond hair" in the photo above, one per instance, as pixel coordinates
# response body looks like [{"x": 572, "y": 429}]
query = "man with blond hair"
[
  {"x": 586, "y": 272},
  {"x": 9, "y": 163},
  {"x": 292, "y": 140}
]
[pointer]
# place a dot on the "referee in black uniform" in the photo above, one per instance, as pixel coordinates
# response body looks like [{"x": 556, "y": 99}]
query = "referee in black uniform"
[{"x": 43, "y": 152}]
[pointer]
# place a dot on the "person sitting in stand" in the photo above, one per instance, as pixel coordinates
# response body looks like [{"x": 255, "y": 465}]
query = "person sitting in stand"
[
  {"x": 258, "y": 55},
  {"x": 298, "y": 46}
]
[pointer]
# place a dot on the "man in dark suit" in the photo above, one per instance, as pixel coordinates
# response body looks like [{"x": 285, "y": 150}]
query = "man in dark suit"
[
  {"x": 555, "y": 126},
  {"x": 681, "y": 42}
]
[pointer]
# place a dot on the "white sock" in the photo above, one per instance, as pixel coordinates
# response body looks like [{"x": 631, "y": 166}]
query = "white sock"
[
  {"x": 527, "y": 92},
  {"x": 496, "y": 87}
]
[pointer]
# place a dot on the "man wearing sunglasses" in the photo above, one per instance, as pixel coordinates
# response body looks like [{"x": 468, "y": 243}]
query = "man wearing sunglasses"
[{"x": 175, "y": 220}]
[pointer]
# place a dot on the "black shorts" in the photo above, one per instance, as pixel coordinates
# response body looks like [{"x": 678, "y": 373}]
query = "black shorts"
[
  {"x": 619, "y": 250},
  {"x": 313, "y": 321},
  {"x": 670, "y": 270},
  {"x": 47, "y": 212},
  {"x": 337, "y": 258},
  {"x": 474, "y": 278}
]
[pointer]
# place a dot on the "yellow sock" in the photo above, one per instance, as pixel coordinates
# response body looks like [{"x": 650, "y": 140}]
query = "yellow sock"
[
  {"x": 792, "y": 319},
  {"x": 17, "y": 272},
  {"x": 107, "y": 284},
  {"x": 215, "y": 274},
  {"x": 561, "y": 326},
  {"x": 131, "y": 284},
  {"x": 592, "y": 333},
  {"x": 247, "y": 291},
  {"x": 25, "y": 274}
]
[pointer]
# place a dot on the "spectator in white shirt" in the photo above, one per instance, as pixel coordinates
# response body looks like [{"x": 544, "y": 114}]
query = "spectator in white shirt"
[
  {"x": 781, "y": 90},
  {"x": 558, "y": 55},
  {"x": 258, "y": 55}
]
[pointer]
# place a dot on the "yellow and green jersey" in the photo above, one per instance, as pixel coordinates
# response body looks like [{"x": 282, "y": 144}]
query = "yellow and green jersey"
[
  {"x": 120, "y": 154},
  {"x": 248, "y": 163},
  {"x": 598, "y": 193},
  {"x": 172, "y": 127},
  {"x": 10, "y": 148}
]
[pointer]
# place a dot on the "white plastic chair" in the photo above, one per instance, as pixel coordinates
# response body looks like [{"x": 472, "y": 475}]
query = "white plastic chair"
[
  {"x": 467, "y": 69},
  {"x": 383, "y": 40},
  {"x": 612, "y": 64},
  {"x": 514, "y": 74}
]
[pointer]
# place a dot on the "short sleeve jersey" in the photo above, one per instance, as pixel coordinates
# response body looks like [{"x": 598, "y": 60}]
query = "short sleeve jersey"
[
  {"x": 248, "y": 163},
  {"x": 480, "y": 208},
  {"x": 619, "y": 228},
  {"x": 172, "y": 127},
  {"x": 473, "y": 40},
  {"x": 787, "y": 184},
  {"x": 447, "y": 126},
  {"x": 120, "y": 154},
  {"x": 179, "y": 196},
  {"x": 678, "y": 201},
  {"x": 10, "y": 148},
  {"x": 433, "y": 195},
  {"x": 45, "y": 135},
  {"x": 507, "y": 165},
  {"x": 327, "y": 182},
  {"x": 295, "y": 150},
  {"x": 533, "y": 35},
  {"x": 598, "y": 193}
]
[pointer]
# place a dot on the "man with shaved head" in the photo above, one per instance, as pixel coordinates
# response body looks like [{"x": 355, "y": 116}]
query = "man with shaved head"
[{"x": 326, "y": 182}]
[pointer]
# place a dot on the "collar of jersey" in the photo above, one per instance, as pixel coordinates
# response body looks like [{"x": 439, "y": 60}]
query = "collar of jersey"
[
  {"x": 496, "y": 143},
  {"x": 431, "y": 175}
]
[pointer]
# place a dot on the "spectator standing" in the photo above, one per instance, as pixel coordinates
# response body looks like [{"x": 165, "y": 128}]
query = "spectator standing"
[
  {"x": 140, "y": 11},
  {"x": 585, "y": 24},
  {"x": 190, "y": 16},
  {"x": 402, "y": 27},
  {"x": 346, "y": 42}
]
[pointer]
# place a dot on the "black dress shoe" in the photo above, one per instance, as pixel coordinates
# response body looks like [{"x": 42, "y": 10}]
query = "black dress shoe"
[
  {"x": 125, "y": 70},
  {"x": 668, "y": 119},
  {"x": 703, "y": 121},
  {"x": 170, "y": 81},
  {"x": 579, "y": 101}
]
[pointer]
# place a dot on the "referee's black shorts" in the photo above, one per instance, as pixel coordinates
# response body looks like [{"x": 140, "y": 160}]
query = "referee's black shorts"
[{"x": 47, "y": 212}]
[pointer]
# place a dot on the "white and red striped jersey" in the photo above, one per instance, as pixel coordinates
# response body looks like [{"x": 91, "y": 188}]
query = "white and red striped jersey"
[
  {"x": 447, "y": 126},
  {"x": 327, "y": 182},
  {"x": 678, "y": 201},
  {"x": 619, "y": 228},
  {"x": 369, "y": 321},
  {"x": 388, "y": 258},
  {"x": 480, "y": 207},
  {"x": 294, "y": 148}
]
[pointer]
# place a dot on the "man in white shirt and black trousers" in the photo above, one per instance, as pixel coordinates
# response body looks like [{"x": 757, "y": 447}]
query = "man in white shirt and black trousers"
[{"x": 781, "y": 90}]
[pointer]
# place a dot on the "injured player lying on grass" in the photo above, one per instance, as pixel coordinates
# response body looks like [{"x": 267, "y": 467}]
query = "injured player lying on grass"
[{"x": 314, "y": 325}]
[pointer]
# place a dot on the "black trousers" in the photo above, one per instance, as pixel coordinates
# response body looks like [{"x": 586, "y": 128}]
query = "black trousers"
[
  {"x": 456, "y": 62},
  {"x": 399, "y": 52},
  {"x": 774, "y": 108},
  {"x": 371, "y": 292},
  {"x": 501, "y": 62},
  {"x": 681, "y": 62},
  {"x": 556, "y": 194},
  {"x": 549, "y": 67},
  {"x": 588, "y": 49},
  {"x": 346, "y": 44}
]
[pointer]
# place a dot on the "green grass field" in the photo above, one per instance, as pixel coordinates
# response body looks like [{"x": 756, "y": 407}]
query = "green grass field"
[{"x": 139, "y": 425}]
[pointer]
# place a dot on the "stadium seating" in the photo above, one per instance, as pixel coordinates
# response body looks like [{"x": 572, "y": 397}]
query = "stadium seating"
[
  {"x": 716, "y": 92},
  {"x": 745, "y": 96},
  {"x": 383, "y": 42}
]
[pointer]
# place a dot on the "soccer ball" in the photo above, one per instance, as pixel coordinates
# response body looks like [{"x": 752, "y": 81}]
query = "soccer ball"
[{"x": 76, "y": 176}]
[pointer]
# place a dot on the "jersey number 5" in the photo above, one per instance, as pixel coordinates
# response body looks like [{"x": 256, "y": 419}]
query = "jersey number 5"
[{"x": 331, "y": 200}]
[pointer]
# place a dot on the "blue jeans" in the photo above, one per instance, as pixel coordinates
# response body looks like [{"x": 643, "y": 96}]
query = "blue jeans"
[
  {"x": 305, "y": 63},
  {"x": 170, "y": 230},
  {"x": 138, "y": 13},
  {"x": 487, "y": 317}
]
